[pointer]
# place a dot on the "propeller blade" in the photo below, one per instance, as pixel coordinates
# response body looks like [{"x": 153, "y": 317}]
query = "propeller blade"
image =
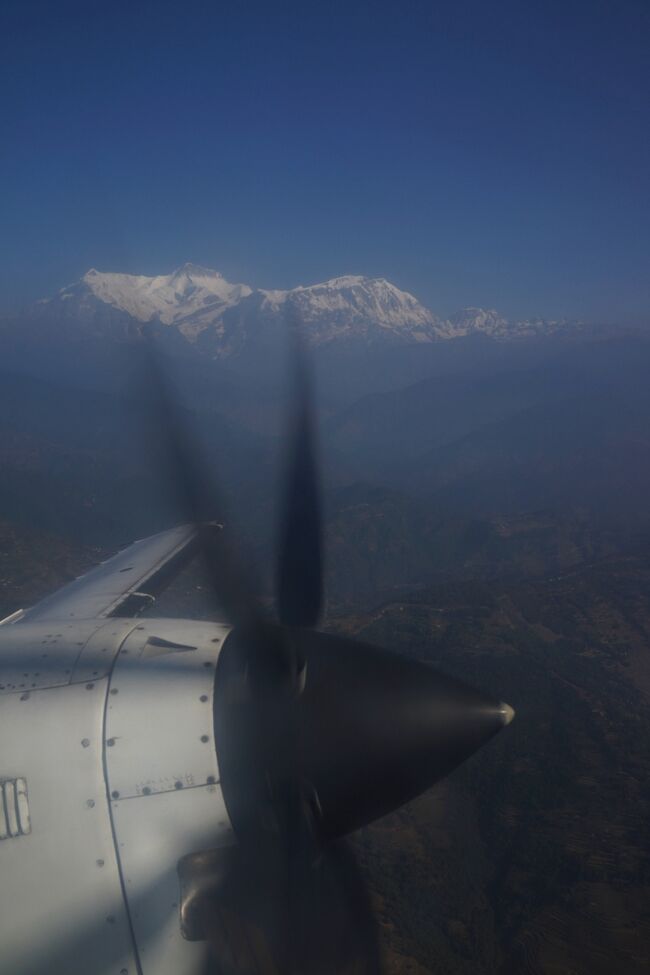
[
  {"x": 197, "y": 497},
  {"x": 316, "y": 734},
  {"x": 331, "y": 924},
  {"x": 300, "y": 571},
  {"x": 240, "y": 903}
]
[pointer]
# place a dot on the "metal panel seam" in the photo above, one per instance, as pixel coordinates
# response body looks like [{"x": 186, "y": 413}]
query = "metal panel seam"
[
  {"x": 186, "y": 788},
  {"x": 127, "y": 909}
]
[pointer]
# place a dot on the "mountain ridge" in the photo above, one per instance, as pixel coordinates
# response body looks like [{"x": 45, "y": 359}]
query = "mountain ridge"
[{"x": 202, "y": 305}]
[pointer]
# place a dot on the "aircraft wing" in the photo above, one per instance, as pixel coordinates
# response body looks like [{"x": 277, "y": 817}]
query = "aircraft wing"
[{"x": 122, "y": 585}]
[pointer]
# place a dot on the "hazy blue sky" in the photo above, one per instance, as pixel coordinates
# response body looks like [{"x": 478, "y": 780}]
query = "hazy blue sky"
[{"x": 473, "y": 152}]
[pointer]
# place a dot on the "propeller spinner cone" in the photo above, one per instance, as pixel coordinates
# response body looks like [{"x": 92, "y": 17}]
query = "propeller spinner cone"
[
  {"x": 373, "y": 729},
  {"x": 379, "y": 728}
]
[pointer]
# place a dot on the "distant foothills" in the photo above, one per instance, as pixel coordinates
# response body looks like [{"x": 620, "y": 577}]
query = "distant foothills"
[{"x": 206, "y": 309}]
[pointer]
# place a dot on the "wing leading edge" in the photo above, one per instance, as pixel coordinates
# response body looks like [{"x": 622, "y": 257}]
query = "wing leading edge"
[{"x": 122, "y": 585}]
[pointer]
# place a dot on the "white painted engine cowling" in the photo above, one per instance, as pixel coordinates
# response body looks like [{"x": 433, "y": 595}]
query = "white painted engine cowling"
[
  {"x": 163, "y": 778},
  {"x": 108, "y": 763}
]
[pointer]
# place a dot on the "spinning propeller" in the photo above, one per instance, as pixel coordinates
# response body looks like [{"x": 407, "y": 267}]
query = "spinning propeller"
[{"x": 316, "y": 734}]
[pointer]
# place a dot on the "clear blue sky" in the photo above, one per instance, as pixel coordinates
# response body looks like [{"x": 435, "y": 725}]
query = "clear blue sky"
[{"x": 471, "y": 151}]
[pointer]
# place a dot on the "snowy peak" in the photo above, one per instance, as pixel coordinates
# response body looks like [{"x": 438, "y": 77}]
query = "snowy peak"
[
  {"x": 189, "y": 271},
  {"x": 482, "y": 319},
  {"x": 373, "y": 298},
  {"x": 473, "y": 321},
  {"x": 191, "y": 298},
  {"x": 355, "y": 306},
  {"x": 487, "y": 321}
]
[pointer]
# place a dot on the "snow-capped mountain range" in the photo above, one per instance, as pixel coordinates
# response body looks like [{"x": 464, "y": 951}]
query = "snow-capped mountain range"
[{"x": 204, "y": 307}]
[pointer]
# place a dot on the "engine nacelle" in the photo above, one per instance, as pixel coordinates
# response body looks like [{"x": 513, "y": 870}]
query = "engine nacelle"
[{"x": 107, "y": 728}]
